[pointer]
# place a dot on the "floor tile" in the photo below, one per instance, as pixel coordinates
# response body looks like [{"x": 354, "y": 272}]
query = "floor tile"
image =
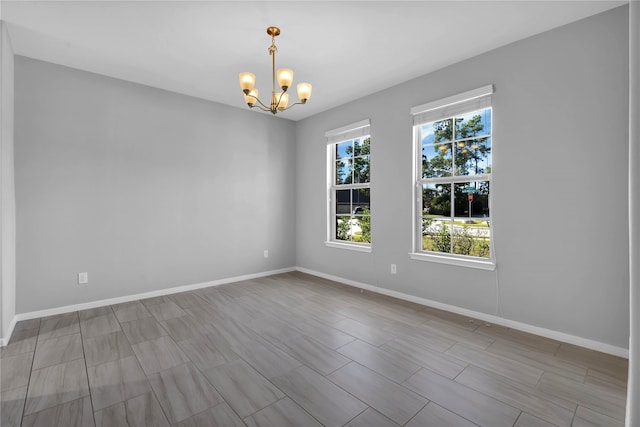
[
  {"x": 94, "y": 312},
  {"x": 527, "y": 420},
  {"x": 186, "y": 299},
  {"x": 76, "y": 413},
  {"x": 183, "y": 327},
  {"x": 56, "y": 385},
  {"x": 443, "y": 364},
  {"x": 325, "y": 401},
  {"x": 165, "y": 310},
  {"x": 382, "y": 394},
  {"x": 518, "y": 395},
  {"x": 57, "y": 326},
  {"x": 106, "y": 348},
  {"x": 283, "y": 413},
  {"x": 535, "y": 359},
  {"x": 159, "y": 354},
  {"x": 243, "y": 388},
  {"x": 457, "y": 333},
  {"x": 23, "y": 341},
  {"x": 596, "y": 398},
  {"x": 371, "y": 418},
  {"x": 434, "y": 415},
  {"x": 314, "y": 355},
  {"x": 183, "y": 392},
  {"x": 117, "y": 381},
  {"x": 140, "y": 411},
  {"x": 58, "y": 350},
  {"x": 325, "y": 334},
  {"x": 143, "y": 330},
  {"x": 394, "y": 367},
  {"x": 206, "y": 352},
  {"x": 129, "y": 311},
  {"x": 459, "y": 399},
  {"x": 233, "y": 332},
  {"x": 511, "y": 369},
  {"x": 372, "y": 335},
  {"x": 24, "y": 325},
  {"x": 587, "y": 418},
  {"x": 99, "y": 325},
  {"x": 220, "y": 415},
  {"x": 274, "y": 330},
  {"x": 11, "y": 406},
  {"x": 266, "y": 358},
  {"x": 14, "y": 371}
]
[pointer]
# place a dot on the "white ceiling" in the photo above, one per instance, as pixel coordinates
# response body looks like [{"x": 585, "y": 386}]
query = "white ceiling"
[{"x": 346, "y": 49}]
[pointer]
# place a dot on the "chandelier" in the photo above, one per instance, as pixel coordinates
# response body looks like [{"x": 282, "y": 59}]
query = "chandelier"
[{"x": 279, "y": 100}]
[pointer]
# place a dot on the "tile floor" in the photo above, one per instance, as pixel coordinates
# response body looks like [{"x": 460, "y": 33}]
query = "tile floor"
[{"x": 297, "y": 350}]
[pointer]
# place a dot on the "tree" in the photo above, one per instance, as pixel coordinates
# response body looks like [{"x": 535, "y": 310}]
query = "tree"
[
  {"x": 358, "y": 161},
  {"x": 469, "y": 153}
]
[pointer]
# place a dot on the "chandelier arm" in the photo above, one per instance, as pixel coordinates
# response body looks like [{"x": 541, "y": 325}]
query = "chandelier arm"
[
  {"x": 259, "y": 102},
  {"x": 296, "y": 103},
  {"x": 280, "y": 99}
]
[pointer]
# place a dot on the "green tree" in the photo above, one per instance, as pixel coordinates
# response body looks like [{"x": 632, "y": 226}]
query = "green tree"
[{"x": 359, "y": 161}]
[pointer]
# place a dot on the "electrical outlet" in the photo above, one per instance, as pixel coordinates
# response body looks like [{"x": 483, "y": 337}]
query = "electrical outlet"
[
  {"x": 393, "y": 269},
  {"x": 266, "y": 253},
  {"x": 83, "y": 278}
]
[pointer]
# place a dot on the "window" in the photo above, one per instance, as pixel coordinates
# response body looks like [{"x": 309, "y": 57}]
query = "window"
[
  {"x": 349, "y": 192},
  {"x": 453, "y": 146}
]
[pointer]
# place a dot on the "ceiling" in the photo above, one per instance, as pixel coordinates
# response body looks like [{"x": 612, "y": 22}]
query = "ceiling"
[{"x": 346, "y": 49}]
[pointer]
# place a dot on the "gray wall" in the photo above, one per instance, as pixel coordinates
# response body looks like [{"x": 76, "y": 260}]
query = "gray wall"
[
  {"x": 142, "y": 188},
  {"x": 7, "y": 188},
  {"x": 560, "y": 131}
]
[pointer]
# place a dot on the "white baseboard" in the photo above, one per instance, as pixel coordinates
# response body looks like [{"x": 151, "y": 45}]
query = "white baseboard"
[
  {"x": 151, "y": 294},
  {"x": 5, "y": 340},
  {"x": 547, "y": 333}
]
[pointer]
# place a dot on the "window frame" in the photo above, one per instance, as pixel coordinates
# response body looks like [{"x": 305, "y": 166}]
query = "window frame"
[
  {"x": 442, "y": 109},
  {"x": 359, "y": 130}
]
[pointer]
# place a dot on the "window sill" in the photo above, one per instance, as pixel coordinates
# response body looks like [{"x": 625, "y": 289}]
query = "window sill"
[
  {"x": 460, "y": 262},
  {"x": 349, "y": 246}
]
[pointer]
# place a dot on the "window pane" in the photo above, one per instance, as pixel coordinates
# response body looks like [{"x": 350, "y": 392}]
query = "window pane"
[
  {"x": 471, "y": 229},
  {"x": 344, "y": 172},
  {"x": 435, "y": 132},
  {"x": 361, "y": 169},
  {"x": 344, "y": 150},
  {"x": 476, "y": 123},
  {"x": 436, "y": 200},
  {"x": 361, "y": 201},
  {"x": 436, "y": 234},
  {"x": 361, "y": 228},
  {"x": 343, "y": 227},
  {"x": 343, "y": 202},
  {"x": 473, "y": 156},
  {"x": 472, "y": 201},
  {"x": 437, "y": 160},
  {"x": 362, "y": 146}
]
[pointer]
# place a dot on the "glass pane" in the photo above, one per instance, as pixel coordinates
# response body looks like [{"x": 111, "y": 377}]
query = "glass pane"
[
  {"x": 361, "y": 201},
  {"x": 344, "y": 172},
  {"x": 472, "y": 202},
  {"x": 362, "y": 147},
  {"x": 343, "y": 202},
  {"x": 436, "y": 235},
  {"x": 343, "y": 227},
  {"x": 436, "y": 132},
  {"x": 473, "y": 156},
  {"x": 361, "y": 169},
  {"x": 361, "y": 228},
  {"x": 437, "y": 160},
  {"x": 476, "y": 123},
  {"x": 344, "y": 150},
  {"x": 436, "y": 200}
]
